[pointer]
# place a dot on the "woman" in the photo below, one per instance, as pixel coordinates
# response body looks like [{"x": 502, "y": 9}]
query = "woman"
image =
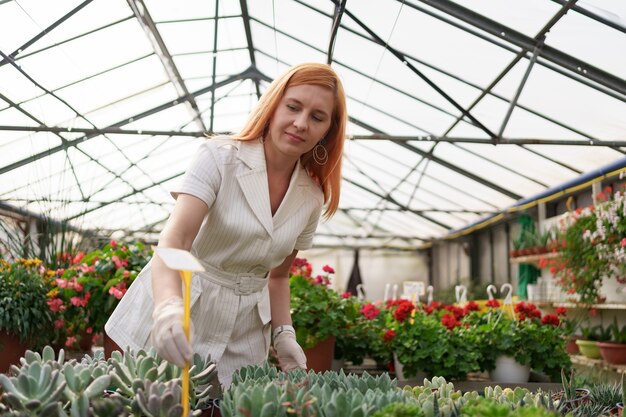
[{"x": 246, "y": 206}]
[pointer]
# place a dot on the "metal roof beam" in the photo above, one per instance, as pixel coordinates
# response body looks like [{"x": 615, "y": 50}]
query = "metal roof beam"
[
  {"x": 446, "y": 164},
  {"x": 246, "y": 25},
  {"x": 393, "y": 201},
  {"x": 340, "y": 7},
  {"x": 250, "y": 73},
  {"x": 431, "y": 210},
  {"x": 501, "y": 140},
  {"x": 549, "y": 53},
  {"x": 400, "y": 56},
  {"x": 147, "y": 24}
]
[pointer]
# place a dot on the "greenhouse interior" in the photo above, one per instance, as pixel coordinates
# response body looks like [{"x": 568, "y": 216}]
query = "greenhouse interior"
[{"x": 434, "y": 224}]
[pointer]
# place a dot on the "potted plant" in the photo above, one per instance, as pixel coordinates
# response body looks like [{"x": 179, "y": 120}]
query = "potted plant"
[
  {"x": 353, "y": 341},
  {"x": 614, "y": 350},
  {"x": 318, "y": 315},
  {"x": 592, "y": 247},
  {"x": 85, "y": 293},
  {"x": 588, "y": 342},
  {"x": 25, "y": 319},
  {"x": 434, "y": 343},
  {"x": 527, "y": 338}
]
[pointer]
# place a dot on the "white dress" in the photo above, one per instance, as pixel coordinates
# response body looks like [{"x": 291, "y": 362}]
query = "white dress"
[{"x": 238, "y": 243}]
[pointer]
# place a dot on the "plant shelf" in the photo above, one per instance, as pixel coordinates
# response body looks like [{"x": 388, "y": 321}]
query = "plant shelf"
[
  {"x": 604, "y": 306},
  {"x": 534, "y": 259},
  {"x": 597, "y": 363}
]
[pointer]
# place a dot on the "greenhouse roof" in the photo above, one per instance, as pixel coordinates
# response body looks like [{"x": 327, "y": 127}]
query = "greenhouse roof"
[{"x": 457, "y": 109}]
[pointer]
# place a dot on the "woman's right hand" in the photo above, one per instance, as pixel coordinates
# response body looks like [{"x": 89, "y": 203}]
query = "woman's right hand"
[{"x": 168, "y": 336}]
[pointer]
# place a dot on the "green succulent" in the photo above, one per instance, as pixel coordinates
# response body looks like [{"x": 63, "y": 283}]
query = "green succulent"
[
  {"x": 400, "y": 410},
  {"x": 160, "y": 399},
  {"x": 108, "y": 407},
  {"x": 36, "y": 390}
]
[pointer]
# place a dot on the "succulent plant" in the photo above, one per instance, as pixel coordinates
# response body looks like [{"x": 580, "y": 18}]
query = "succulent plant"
[
  {"x": 36, "y": 390},
  {"x": 160, "y": 399},
  {"x": 84, "y": 382},
  {"x": 108, "y": 407}
]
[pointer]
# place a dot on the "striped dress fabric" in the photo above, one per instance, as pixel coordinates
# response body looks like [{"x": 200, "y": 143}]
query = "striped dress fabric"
[{"x": 239, "y": 242}]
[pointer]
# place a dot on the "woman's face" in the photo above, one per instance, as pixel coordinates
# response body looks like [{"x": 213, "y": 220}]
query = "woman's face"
[{"x": 301, "y": 119}]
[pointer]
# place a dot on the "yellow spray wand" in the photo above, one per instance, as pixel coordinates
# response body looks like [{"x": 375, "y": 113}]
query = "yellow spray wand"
[{"x": 183, "y": 262}]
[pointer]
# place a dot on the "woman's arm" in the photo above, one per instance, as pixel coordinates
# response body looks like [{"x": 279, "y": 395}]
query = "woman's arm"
[
  {"x": 179, "y": 232},
  {"x": 279, "y": 292}
]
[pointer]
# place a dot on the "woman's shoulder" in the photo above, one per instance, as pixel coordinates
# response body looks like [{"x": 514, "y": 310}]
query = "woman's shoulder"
[{"x": 223, "y": 148}]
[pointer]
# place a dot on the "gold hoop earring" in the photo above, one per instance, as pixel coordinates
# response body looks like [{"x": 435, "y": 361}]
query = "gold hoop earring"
[{"x": 320, "y": 154}]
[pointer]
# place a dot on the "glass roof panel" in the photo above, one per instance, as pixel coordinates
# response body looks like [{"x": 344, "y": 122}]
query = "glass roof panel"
[
  {"x": 105, "y": 66},
  {"x": 87, "y": 55}
]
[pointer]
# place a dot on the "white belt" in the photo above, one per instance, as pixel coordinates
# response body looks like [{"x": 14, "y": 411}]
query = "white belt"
[{"x": 242, "y": 283}]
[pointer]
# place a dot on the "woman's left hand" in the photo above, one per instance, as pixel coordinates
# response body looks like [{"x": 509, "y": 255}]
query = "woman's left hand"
[{"x": 290, "y": 354}]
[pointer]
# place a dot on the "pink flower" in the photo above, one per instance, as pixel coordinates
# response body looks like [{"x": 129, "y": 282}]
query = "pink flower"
[
  {"x": 70, "y": 341},
  {"x": 58, "y": 324},
  {"x": 113, "y": 244},
  {"x": 60, "y": 271},
  {"x": 328, "y": 269},
  {"x": 61, "y": 283},
  {"x": 79, "y": 256},
  {"x": 78, "y": 287},
  {"x": 89, "y": 330},
  {"x": 76, "y": 301},
  {"x": 346, "y": 294},
  {"x": 623, "y": 242},
  {"x": 55, "y": 304},
  {"x": 126, "y": 274}
]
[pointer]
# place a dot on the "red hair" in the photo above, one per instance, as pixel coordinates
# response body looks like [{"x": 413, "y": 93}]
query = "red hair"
[{"x": 328, "y": 175}]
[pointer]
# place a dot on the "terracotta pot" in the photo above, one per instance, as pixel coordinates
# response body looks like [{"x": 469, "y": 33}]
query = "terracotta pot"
[
  {"x": 11, "y": 350},
  {"x": 571, "y": 347},
  {"x": 320, "y": 357},
  {"x": 614, "y": 353},
  {"x": 589, "y": 348},
  {"x": 109, "y": 346},
  {"x": 620, "y": 409}
]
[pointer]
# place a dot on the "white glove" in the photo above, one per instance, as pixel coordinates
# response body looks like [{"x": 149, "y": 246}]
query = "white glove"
[
  {"x": 168, "y": 336},
  {"x": 290, "y": 354}
]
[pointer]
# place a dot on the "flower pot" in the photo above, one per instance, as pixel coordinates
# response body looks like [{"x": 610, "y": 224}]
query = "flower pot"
[
  {"x": 320, "y": 357},
  {"x": 614, "y": 353},
  {"x": 11, "y": 350},
  {"x": 589, "y": 348},
  {"x": 509, "y": 370},
  {"x": 399, "y": 371},
  {"x": 109, "y": 346},
  {"x": 620, "y": 409},
  {"x": 582, "y": 397},
  {"x": 338, "y": 364},
  {"x": 571, "y": 347}
]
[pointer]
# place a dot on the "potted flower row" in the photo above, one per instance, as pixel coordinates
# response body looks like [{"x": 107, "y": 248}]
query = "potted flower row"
[
  {"x": 608, "y": 343},
  {"x": 65, "y": 305}
]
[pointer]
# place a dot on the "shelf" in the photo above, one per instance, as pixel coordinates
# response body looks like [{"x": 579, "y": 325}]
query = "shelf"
[
  {"x": 605, "y": 306},
  {"x": 597, "y": 363},
  {"x": 533, "y": 259}
]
